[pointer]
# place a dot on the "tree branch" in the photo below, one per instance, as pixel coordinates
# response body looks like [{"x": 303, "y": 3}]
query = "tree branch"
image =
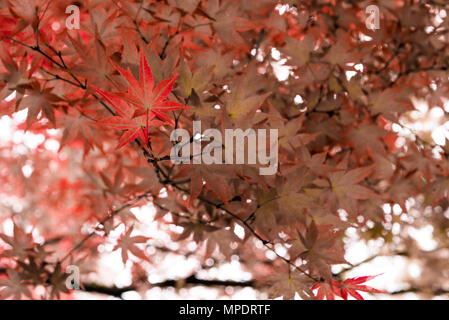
[{"x": 189, "y": 281}]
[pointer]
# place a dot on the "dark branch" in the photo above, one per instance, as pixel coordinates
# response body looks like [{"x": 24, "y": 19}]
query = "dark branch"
[{"x": 190, "y": 281}]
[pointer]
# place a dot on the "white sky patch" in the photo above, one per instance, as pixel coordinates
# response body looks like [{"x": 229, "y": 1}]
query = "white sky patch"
[
  {"x": 280, "y": 70},
  {"x": 52, "y": 145},
  {"x": 270, "y": 255},
  {"x": 364, "y": 37},
  {"x": 6, "y": 129},
  {"x": 275, "y": 54},
  {"x": 8, "y": 125},
  {"x": 396, "y": 228},
  {"x": 359, "y": 67},
  {"x": 420, "y": 105},
  {"x": 163, "y": 193},
  {"x": 280, "y": 250},
  {"x": 281, "y": 8},
  {"x": 8, "y": 227},
  {"x": 424, "y": 237},
  {"x": 342, "y": 214},
  {"x": 414, "y": 270},
  {"x": 20, "y": 138},
  {"x": 397, "y": 210},
  {"x": 53, "y": 132},
  {"x": 350, "y": 74},
  {"x": 389, "y": 271},
  {"x": 113, "y": 264},
  {"x": 227, "y": 271},
  {"x": 145, "y": 214},
  {"x": 440, "y": 134},
  {"x": 298, "y": 99},
  {"x": 131, "y": 295},
  {"x": 426, "y": 119},
  {"x": 358, "y": 251},
  {"x": 27, "y": 170},
  {"x": 239, "y": 231}
]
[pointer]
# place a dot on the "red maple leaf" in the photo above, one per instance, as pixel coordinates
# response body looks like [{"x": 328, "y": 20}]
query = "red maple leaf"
[
  {"x": 135, "y": 127},
  {"x": 126, "y": 243},
  {"x": 352, "y": 285},
  {"x": 142, "y": 103},
  {"x": 325, "y": 290},
  {"x": 143, "y": 95}
]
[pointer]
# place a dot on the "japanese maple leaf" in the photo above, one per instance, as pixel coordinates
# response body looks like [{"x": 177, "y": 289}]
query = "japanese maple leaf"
[
  {"x": 227, "y": 23},
  {"x": 209, "y": 177},
  {"x": 243, "y": 100},
  {"x": 39, "y": 99},
  {"x": 345, "y": 188},
  {"x": 142, "y": 94},
  {"x": 58, "y": 282},
  {"x": 265, "y": 215},
  {"x": 15, "y": 76},
  {"x": 297, "y": 51},
  {"x": 325, "y": 290},
  {"x": 196, "y": 229},
  {"x": 135, "y": 127},
  {"x": 127, "y": 243},
  {"x": 288, "y": 285},
  {"x": 32, "y": 270},
  {"x": 220, "y": 240},
  {"x": 386, "y": 103},
  {"x": 21, "y": 243},
  {"x": 365, "y": 139},
  {"x": 352, "y": 285},
  {"x": 341, "y": 53},
  {"x": 79, "y": 127},
  {"x": 290, "y": 198},
  {"x": 25, "y": 13},
  {"x": 315, "y": 162},
  {"x": 92, "y": 64},
  {"x": 347, "y": 183},
  {"x": 115, "y": 186},
  {"x": 13, "y": 287},
  {"x": 321, "y": 249}
]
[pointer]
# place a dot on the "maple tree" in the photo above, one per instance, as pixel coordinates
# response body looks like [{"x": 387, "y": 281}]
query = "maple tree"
[{"x": 344, "y": 98}]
